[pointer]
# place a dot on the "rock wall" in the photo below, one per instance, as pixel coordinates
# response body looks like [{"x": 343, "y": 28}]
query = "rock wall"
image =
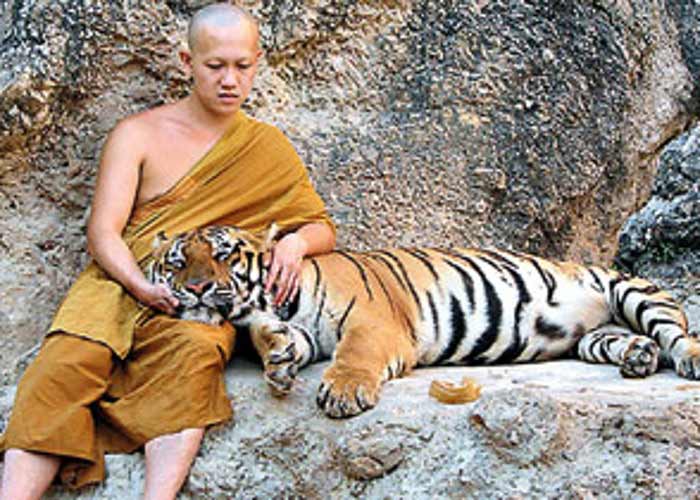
[
  {"x": 662, "y": 240},
  {"x": 532, "y": 125},
  {"x": 517, "y": 124}
]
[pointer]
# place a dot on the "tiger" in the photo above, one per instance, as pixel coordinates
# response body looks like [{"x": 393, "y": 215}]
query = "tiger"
[{"x": 379, "y": 314}]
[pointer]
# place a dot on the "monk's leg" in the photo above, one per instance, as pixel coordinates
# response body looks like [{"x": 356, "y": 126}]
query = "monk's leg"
[
  {"x": 168, "y": 460},
  {"x": 171, "y": 388},
  {"x": 27, "y": 475},
  {"x": 51, "y": 417}
]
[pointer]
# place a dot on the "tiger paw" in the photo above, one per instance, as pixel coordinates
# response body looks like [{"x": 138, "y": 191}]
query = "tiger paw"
[
  {"x": 280, "y": 361},
  {"x": 641, "y": 359},
  {"x": 347, "y": 394},
  {"x": 687, "y": 364}
]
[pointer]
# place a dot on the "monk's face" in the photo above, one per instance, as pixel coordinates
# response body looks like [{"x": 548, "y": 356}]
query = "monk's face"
[{"x": 223, "y": 63}]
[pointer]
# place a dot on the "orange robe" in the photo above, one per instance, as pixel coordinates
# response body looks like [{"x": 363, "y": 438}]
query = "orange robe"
[
  {"x": 251, "y": 177},
  {"x": 115, "y": 374}
]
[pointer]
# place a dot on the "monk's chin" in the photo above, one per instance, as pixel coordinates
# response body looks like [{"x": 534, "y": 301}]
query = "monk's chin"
[{"x": 202, "y": 315}]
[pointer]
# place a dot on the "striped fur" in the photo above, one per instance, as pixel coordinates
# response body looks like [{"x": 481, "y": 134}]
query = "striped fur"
[{"x": 381, "y": 313}]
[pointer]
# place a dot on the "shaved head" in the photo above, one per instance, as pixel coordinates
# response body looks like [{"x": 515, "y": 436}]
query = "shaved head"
[{"x": 219, "y": 15}]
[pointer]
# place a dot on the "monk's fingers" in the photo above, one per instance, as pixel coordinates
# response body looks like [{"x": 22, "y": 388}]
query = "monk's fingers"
[
  {"x": 170, "y": 300},
  {"x": 290, "y": 287},
  {"x": 272, "y": 277},
  {"x": 282, "y": 287},
  {"x": 169, "y": 305},
  {"x": 282, "y": 297},
  {"x": 160, "y": 292},
  {"x": 163, "y": 306},
  {"x": 164, "y": 302},
  {"x": 294, "y": 288},
  {"x": 166, "y": 297}
]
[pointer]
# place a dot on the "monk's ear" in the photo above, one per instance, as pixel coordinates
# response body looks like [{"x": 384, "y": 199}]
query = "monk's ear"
[
  {"x": 185, "y": 57},
  {"x": 269, "y": 242}
]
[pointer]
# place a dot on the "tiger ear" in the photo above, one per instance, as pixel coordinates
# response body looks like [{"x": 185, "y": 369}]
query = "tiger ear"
[
  {"x": 272, "y": 232},
  {"x": 159, "y": 241}
]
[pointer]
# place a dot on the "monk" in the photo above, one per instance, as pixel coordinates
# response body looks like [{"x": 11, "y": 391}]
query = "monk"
[{"x": 117, "y": 372}]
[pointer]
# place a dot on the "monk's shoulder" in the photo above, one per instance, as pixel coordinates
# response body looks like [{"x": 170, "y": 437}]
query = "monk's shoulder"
[
  {"x": 151, "y": 121},
  {"x": 135, "y": 137},
  {"x": 265, "y": 129},
  {"x": 273, "y": 138},
  {"x": 132, "y": 128}
]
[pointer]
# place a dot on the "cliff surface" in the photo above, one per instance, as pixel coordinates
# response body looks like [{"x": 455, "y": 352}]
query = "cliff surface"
[{"x": 536, "y": 126}]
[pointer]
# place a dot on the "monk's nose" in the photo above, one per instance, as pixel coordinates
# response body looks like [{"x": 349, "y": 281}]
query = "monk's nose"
[{"x": 199, "y": 286}]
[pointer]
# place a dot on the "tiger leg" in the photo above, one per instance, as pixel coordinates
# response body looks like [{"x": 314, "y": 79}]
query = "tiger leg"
[
  {"x": 284, "y": 349},
  {"x": 364, "y": 359},
  {"x": 678, "y": 349},
  {"x": 644, "y": 308},
  {"x": 636, "y": 355}
]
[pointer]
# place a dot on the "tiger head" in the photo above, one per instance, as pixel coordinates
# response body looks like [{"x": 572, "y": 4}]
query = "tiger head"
[{"x": 216, "y": 273}]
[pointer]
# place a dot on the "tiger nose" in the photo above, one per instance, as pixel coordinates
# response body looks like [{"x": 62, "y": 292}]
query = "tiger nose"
[{"x": 199, "y": 286}]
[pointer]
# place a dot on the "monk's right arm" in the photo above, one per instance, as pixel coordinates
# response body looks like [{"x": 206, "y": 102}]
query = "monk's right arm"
[{"x": 115, "y": 192}]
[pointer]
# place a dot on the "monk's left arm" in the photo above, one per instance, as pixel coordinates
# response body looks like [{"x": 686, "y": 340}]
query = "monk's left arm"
[
  {"x": 318, "y": 237},
  {"x": 310, "y": 239}
]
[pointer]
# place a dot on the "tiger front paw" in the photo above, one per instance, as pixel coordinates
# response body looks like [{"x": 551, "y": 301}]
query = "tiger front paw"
[
  {"x": 641, "y": 359},
  {"x": 280, "y": 361},
  {"x": 346, "y": 393}
]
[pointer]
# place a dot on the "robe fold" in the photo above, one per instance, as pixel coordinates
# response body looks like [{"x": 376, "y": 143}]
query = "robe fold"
[
  {"x": 251, "y": 177},
  {"x": 113, "y": 374}
]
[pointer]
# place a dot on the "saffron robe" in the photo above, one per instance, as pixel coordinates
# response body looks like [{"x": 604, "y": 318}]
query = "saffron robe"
[
  {"x": 251, "y": 177},
  {"x": 113, "y": 374}
]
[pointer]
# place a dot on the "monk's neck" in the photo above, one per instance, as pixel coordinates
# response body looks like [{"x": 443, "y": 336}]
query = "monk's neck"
[{"x": 205, "y": 119}]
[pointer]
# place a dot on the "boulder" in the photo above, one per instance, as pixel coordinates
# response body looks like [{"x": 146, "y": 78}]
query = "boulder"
[
  {"x": 536, "y": 126},
  {"x": 662, "y": 240}
]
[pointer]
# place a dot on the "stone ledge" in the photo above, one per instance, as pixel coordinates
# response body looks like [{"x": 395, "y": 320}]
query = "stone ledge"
[{"x": 550, "y": 430}]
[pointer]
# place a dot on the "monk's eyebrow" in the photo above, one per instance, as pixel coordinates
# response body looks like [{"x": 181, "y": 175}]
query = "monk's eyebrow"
[{"x": 245, "y": 60}]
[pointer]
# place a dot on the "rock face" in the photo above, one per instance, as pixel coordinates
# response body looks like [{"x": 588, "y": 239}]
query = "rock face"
[
  {"x": 662, "y": 240},
  {"x": 556, "y": 430},
  {"x": 531, "y": 125}
]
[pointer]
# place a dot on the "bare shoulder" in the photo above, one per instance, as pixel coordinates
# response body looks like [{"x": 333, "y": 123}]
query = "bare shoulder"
[{"x": 144, "y": 123}]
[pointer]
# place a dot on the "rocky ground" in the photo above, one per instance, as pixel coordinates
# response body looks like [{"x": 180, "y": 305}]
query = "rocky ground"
[
  {"x": 562, "y": 429},
  {"x": 662, "y": 241},
  {"x": 529, "y": 125}
]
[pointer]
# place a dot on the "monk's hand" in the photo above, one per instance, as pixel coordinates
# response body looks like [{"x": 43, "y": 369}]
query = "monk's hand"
[
  {"x": 157, "y": 297},
  {"x": 285, "y": 267}
]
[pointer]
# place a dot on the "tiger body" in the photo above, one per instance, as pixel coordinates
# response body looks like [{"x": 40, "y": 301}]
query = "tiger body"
[
  {"x": 379, "y": 314},
  {"x": 457, "y": 307}
]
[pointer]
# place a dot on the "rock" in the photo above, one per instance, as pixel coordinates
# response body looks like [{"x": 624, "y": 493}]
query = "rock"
[
  {"x": 526, "y": 125},
  {"x": 535, "y": 126},
  {"x": 562, "y": 429},
  {"x": 662, "y": 241},
  {"x": 522, "y": 427},
  {"x": 686, "y": 16},
  {"x": 370, "y": 454}
]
